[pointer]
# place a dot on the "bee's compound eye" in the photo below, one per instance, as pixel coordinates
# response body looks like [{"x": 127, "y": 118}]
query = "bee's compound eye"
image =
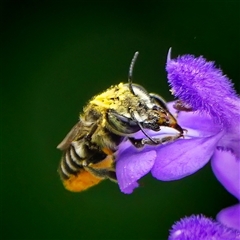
[
  {"x": 121, "y": 124},
  {"x": 159, "y": 101}
]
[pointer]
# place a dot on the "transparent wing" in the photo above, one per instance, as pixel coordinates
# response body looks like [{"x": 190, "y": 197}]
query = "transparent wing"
[{"x": 65, "y": 143}]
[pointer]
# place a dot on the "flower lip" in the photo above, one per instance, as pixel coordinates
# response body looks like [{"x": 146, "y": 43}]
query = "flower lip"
[{"x": 183, "y": 157}]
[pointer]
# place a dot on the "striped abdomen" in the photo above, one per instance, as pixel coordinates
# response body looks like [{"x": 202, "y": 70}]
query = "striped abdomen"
[
  {"x": 75, "y": 158},
  {"x": 71, "y": 163}
]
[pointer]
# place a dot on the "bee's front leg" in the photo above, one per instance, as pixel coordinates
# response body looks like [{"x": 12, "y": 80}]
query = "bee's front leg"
[
  {"x": 104, "y": 173},
  {"x": 139, "y": 143},
  {"x": 180, "y": 106}
]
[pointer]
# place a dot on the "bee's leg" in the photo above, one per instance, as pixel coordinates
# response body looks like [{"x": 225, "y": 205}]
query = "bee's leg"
[
  {"x": 138, "y": 143},
  {"x": 103, "y": 172},
  {"x": 88, "y": 137},
  {"x": 179, "y": 105},
  {"x": 101, "y": 165}
]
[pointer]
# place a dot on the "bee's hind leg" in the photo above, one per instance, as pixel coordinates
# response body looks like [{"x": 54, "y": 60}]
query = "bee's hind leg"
[{"x": 105, "y": 173}]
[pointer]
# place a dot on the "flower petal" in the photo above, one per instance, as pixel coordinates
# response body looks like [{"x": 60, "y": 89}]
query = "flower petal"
[
  {"x": 230, "y": 217},
  {"x": 131, "y": 167},
  {"x": 231, "y": 139},
  {"x": 183, "y": 157},
  {"x": 226, "y": 167},
  {"x": 130, "y": 188}
]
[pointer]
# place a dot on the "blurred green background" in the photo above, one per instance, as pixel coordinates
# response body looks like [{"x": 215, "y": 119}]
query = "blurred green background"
[{"x": 58, "y": 54}]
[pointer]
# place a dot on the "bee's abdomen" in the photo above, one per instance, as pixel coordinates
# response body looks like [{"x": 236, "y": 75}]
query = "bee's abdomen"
[{"x": 71, "y": 163}]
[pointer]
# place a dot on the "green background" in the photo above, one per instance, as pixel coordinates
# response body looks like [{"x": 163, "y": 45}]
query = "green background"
[{"x": 58, "y": 54}]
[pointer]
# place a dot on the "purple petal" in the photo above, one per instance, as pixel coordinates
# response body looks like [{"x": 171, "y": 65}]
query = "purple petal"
[
  {"x": 201, "y": 228},
  {"x": 131, "y": 167},
  {"x": 183, "y": 157},
  {"x": 230, "y": 217},
  {"x": 231, "y": 139},
  {"x": 204, "y": 87},
  {"x": 226, "y": 167}
]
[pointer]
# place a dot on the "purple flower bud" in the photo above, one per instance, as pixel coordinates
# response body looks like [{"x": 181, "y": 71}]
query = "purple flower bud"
[
  {"x": 201, "y": 228},
  {"x": 204, "y": 87}
]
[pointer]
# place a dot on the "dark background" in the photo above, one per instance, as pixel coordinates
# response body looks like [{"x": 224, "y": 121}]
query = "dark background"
[{"x": 58, "y": 54}]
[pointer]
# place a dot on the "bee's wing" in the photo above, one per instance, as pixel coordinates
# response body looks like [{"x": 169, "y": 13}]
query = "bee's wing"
[{"x": 65, "y": 143}]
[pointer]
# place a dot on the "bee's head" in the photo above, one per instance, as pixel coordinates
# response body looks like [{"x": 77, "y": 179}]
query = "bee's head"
[{"x": 145, "y": 111}]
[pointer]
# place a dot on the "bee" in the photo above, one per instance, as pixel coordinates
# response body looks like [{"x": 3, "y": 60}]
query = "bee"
[{"x": 109, "y": 118}]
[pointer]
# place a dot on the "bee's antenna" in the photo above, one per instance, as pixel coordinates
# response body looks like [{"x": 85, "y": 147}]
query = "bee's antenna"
[
  {"x": 131, "y": 71},
  {"x": 143, "y": 131}
]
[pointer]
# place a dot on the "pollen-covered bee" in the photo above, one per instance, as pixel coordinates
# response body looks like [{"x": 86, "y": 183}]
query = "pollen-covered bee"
[{"x": 108, "y": 119}]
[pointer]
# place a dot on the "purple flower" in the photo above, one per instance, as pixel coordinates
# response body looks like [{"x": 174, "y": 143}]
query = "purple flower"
[
  {"x": 213, "y": 132},
  {"x": 201, "y": 228}
]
